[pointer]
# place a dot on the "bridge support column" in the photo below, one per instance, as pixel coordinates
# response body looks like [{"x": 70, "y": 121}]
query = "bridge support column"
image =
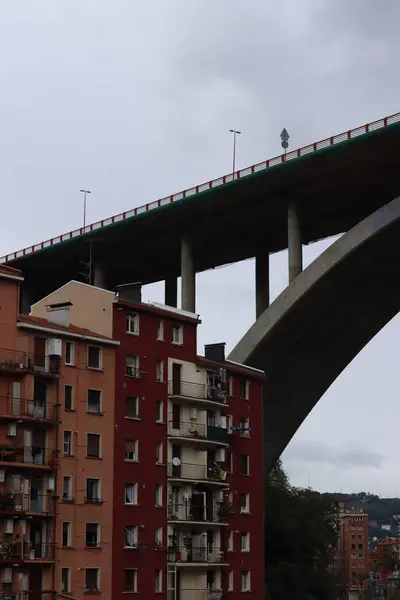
[
  {"x": 171, "y": 291},
  {"x": 188, "y": 275},
  {"x": 295, "y": 248},
  {"x": 262, "y": 282},
  {"x": 99, "y": 276}
]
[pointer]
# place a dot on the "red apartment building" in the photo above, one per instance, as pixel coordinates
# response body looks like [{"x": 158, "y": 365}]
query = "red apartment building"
[
  {"x": 187, "y": 502},
  {"x": 352, "y": 557}
]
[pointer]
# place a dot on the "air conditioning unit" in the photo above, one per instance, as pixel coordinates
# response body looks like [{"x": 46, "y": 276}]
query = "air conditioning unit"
[
  {"x": 55, "y": 347},
  {"x": 220, "y": 455},
  {"x": 220, "y": 497},
  {"x": 223, "y": 422},
  {"x": 193, "y": 414},
  {"x": 12, "y": 429},
  {"x": 6, "y": 575},
  {"x": 51, "y": 484},
  {"x": 222, "y": 375}
]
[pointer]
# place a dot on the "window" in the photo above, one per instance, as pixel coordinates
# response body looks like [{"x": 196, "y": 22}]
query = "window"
[
  {"x": 66, "y": 534},
  {"x": 230, "y": 581},
  {"x": 131, "y": 450},
  {"x": 130, "y": 580},
  {"x": 244, "y": 390},
  {"x": 92, "y": 535},
  {"x": 159, "y": 537},
  {"x": 65, "y": 580},
  {"x": 229, "y": 460},
  {"x": 93, "y": 449},
  {"x": 94, "y": 357},
  {"x": 93, "y": 490},
  {"x": 244, "y": 464},
  {"x": 229, "y": 385},
  {"x": 132, "y": 407},
  {"x": 69, "y": 353},
  {"x": 360, "y": 546},
  {"x": 159, "y": 580},
  {"x": 131, "y": 536},
  {"x": 245, "y": 541},
  {"x": 159, "y": 453},
  {"x": 67, "y": 442},
  {"x": 244, "y": 426},
  {"x": 159, "y": 496},
  {"x": 132, "y": 365},
  {"x": 353, "y": 537},
  {"x": 230, "y": 541},
  {"x": 94, "y": 401},
  {"x": 132, "y": 324},
  {"x": 160, "y": 329},
  {"x": 131, "y": 494},
  {"x": 360, "y": 555},
  {"x": 245, "y": 581},
  {"x": 244, "y": 503},
  {"x": 159, "y": 411},
  {"x": 67, "y": 488},
  {"x": 92, "y": 580},
  {"x": 353, "y": 565},
  {"x": 68, "y": 397},
  {"x": 353, "y": 546},
  {"x": 160, "y": 371},
  {"x": 177, "y": 334}
]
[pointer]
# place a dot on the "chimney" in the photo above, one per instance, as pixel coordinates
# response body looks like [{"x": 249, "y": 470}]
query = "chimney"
[
  {"x": 59, "y": 313},
  {"x": 130, "y": 291},
  {"x": 215, "y": 352}
]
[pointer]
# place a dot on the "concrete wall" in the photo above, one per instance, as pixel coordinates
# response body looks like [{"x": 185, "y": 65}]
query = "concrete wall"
[{"x": 91, "y": 306}]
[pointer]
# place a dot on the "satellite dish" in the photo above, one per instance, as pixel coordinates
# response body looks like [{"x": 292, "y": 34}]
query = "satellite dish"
[{"x": 176, "y": 461}]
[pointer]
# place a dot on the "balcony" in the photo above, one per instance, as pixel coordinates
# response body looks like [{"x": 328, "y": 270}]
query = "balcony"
[
  {"x": 17, "y": 550},
  {"x": 32, "y": 457},
  {"x": 16, "y": 362},
  {"x": 195, "y": 555},
  {"x": 198, "y": 433},
  {"x": 19, "y": 595},
  {"x": 12, "y": 504},
  {"x": 198, "y": 473},
  {"x": 197, "y": 393},
  {"x": 190, "y": 594},
  {"x": 39, "y": 411},
  {"x": 189, "y": 513}
]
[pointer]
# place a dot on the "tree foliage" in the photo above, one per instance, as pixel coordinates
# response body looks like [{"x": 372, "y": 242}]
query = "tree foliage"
[{"x": 301, "y": 538}]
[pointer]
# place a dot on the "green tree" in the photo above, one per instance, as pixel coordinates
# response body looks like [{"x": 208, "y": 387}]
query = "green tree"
[{"x": 301, "y": 537}]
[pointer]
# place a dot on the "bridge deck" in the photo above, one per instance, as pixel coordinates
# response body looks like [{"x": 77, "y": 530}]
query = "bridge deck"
[{"x": 337, "y": 182}]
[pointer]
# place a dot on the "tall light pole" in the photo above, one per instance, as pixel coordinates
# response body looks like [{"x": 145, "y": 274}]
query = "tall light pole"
[
  {"x": 235, "y": 133},
  {"x": 84, "y": 192}
]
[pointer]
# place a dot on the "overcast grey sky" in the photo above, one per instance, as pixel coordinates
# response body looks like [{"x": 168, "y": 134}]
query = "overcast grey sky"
[{"x": 133, "y": 100}]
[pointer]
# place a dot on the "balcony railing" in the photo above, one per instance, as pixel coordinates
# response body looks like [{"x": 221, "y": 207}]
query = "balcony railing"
[
  {"x": 191, "y": 594},
  {"x": 39, "y": 410},
  {"x": 195, "y": 554},
  {"x": 192, "y": 512},
  {"x": 28, "y": 455},
  {"x": 19, "y": 549},
  {"x": 198, "y": 431},
  {"x": 212, "y": 474},
  {"x": 16, "y": 361},
  {"x": 196, "y": 391},
  {"x": 14, "y": 503}
]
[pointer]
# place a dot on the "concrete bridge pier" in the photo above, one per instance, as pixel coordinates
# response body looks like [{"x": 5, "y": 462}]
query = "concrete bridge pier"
[
  {"x": 188, "y": 275},
  {"x": 295, "y": 247},
  {"x": 262, "y": 281},
  {"x": 171, "y": 292}
]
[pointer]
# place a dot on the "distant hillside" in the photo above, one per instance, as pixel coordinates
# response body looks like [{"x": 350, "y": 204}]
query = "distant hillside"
[{"x": 378, "y": 509}]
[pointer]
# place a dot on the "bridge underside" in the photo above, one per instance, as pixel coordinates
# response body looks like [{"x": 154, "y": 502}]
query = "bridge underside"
[{"x": 317, "y": 326}]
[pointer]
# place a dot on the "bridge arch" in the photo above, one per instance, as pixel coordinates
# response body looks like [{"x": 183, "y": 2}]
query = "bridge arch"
[{"x": 321, "y": 321}]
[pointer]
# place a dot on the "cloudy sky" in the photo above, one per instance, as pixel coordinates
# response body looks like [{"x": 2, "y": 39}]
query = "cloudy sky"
[{"x": 134, "y": 101}]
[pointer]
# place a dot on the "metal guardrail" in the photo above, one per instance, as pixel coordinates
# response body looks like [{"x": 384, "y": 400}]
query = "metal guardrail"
[
  {"x": 195, "y": 554},
  {"x": 192, "y": 512},
  {"x": 196, "y": 391},
  {"x": 197, "y": 472},
  {"x": 28, "y": 455},
  {"x": 11, "y": 502},
  {"x": 198, "y": 431},
  {"x": 34, "y": 409},
  {"x": 198, "y": 189},
  {"x": 12, "y": 361},
  {"x": 24, "y": 550}
]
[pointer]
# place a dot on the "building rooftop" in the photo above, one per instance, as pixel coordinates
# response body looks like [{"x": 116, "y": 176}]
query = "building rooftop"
[{"x": 27, "y": 321}]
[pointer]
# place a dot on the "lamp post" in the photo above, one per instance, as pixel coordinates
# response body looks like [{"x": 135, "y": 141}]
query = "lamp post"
[
  {"x": 84, "y": 192},
  {"x": 235, "y": 133}
]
